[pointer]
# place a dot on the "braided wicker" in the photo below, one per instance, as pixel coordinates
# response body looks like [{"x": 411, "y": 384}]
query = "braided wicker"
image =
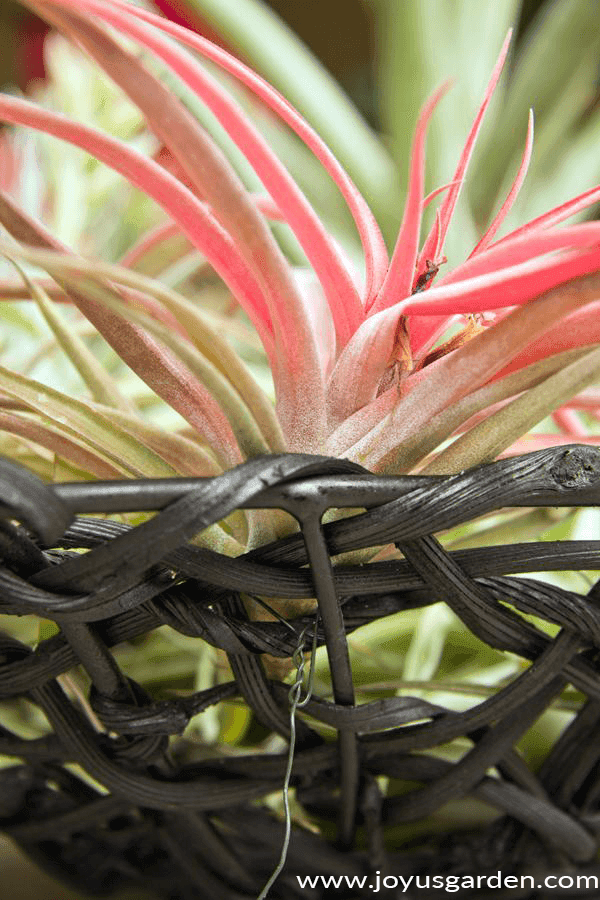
[{"x": 188, "y": 826}]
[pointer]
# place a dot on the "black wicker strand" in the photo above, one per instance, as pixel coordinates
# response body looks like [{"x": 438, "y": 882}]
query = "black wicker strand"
[{"x": 187, "y": 825}]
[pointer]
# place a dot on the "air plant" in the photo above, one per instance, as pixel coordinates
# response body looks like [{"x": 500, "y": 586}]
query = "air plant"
[
  {"x": 391, "y": 361},
  {"x": 396, "y": 361}
]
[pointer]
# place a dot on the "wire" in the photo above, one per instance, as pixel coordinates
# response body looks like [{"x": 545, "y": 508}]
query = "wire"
[{"x": 295, "y": 703}]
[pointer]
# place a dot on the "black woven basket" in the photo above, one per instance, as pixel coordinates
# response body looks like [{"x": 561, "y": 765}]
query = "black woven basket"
[{"x": 188, "y": 826}]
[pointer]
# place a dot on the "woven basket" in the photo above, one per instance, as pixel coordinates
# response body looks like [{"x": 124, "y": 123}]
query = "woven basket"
[{"x": 185, "y": 824}]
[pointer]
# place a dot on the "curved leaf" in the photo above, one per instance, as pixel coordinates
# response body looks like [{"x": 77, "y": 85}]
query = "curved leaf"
[
  {"x": 65, "y": 446},
  {"x": 102, "y": 387},
  {"x": 185, "y": 456},
  {"x": 255, "y": 240},
  {"x": 485, "y": 441},
  {"x": 458, "y": 374},
  {"x": 207, "y": 340},
  {"x": 579, "y": 329},
  {"x": 154, "y": 364},
  {"x": 77, "y": 418},
  {"x": 451, "y": 197},
  {"x": 401, "y": 272},
  {"x": 261, "y": 37},
  {"x": 506, "y": 207},
  {"x": 179, "y": 202}
]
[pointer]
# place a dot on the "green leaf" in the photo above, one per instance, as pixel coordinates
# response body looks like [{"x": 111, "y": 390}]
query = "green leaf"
[
  {"x": 486, "y": 440},
  {"x": 79, "y": 419},
  {"x": 559, "y": 40},
  {"x": 441, "y": 426},
  {"x": 155, "y": 365},
  {"x": 67, "y": 447},
  {"x": 202, "y": 369},
  {"x": 528, "y": 525},
  {"x": 216, "y": 364},
  {"x": 47, "y": 629},
  {"x": 427, "y": 645},
  {"x": 207, "y": 119},
  {"x": 184, "y": 455},
  {"x": 102, "y": 387}
]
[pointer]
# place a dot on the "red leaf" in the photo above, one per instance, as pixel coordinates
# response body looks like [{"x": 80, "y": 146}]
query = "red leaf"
[
  {"x": 506, "y": 207},
  {"x": 399, "y": 279},
  {"x": 450, "y": 202}
]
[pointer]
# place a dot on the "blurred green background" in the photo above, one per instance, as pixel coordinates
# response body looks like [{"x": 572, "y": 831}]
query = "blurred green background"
[
  {"x": 341, "y": 33},
  {"x": 387, "y": 56}
]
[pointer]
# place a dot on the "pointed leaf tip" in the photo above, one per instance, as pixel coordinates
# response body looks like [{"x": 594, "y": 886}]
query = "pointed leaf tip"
[
  {"x": 512, "y": 195},
  {"x": 450, "y": 201},
  {"x": 399, "y": 278}
]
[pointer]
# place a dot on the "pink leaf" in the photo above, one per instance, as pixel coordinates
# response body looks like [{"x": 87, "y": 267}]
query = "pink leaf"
[
  {"x": 569, "y": 422},
  {"x": 373, "y": 244},
  {"x": 472, "y": 365},
  {"x": 435, "y": 193},
  {"x": 579, "y": 329},
  {"x": 588, "y": 400},
  {"x": 194, "y": 153},
  {"x": 191, "y": 215},
  {"x": 148, "y": 242},
  {"x": 437, "y": 234},
  {"x": 154, "y": 364},
  {"x": 500, "y": 256},
  {"x": 355, "y": 426},
  {"x": 297, "y": 366},
  {"x": 510, "y": 286},
  {"x": 360, "y": 367},
  {"x": 505, "y": 254},
  {"x": 370, "y": 349},
  {"x": 538, "y": 441},
  {"x": 506, "y": 207},
  {"x": 399, "y": 278},
  {"x": 339, "y": 289},
  {"x": 556, "y": 215},
  {"x": 302, "y": 420},
  {"x": 268, "y": 207},
  {"x": 449, "y": 203}
]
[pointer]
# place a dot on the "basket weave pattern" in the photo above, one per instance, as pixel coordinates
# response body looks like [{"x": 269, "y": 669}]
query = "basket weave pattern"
[{"x": 188, "y": 827}]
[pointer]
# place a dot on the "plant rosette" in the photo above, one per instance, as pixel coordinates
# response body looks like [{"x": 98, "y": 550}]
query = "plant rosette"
[
  {"x": 240, "y": 287},
  {"x": 455, "y": 367}
]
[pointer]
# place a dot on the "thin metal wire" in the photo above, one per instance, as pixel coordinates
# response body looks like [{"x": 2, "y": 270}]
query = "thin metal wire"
[
  {"x": 277, "y": 615},
  {"x": 311, "y": 671},
  {"x": 295, "y": 703}
]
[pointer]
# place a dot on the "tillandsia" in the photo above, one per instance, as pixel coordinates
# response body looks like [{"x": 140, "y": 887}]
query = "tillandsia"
[{"x": 391, "y": 361}]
